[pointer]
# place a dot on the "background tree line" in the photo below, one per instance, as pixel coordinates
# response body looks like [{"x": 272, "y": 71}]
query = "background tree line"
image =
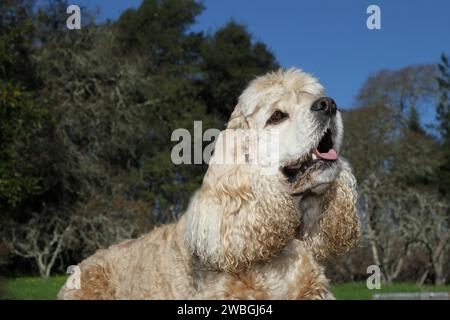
[
  {"x": 86, "y": 118},
  {"x": 402, "y": 168}
]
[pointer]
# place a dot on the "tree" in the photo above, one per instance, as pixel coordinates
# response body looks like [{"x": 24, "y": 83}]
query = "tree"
[
  {"x": 390, "y": 152},
  {"x": 443, "y": 118},
  {"x": 20, "y": 114},
  {"x": 41, "y": 239},
  {"x": 396, "y": 194},
  {"x": 157, "y": 32},
  {"x": 414, "y": 121},
  {"x": 16, "y": 42},
  {"x": 443, "y": 109},
  {"x": 428, "y": 222},
  {"x": 230, "y": 59},
  {"x": 88, "y": 145},
  {"x": 402, "y": 90},
  {"x": 98, "y": 222}
]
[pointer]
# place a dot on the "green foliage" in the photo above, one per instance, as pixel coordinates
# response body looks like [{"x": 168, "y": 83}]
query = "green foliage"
[
  {"x": 16, "y": 39},
  {"x": 86, "y": 116},
  {"x": 230, "y": 59},
  {"x": 19, "y": 116},
  {"x": 20, "y": 113},
  {"x": 414, "y": 121},
  {"x": 157, "y": 32},
  {"x": 443, "y": 109},
  {"x": 443, "y": 117}
]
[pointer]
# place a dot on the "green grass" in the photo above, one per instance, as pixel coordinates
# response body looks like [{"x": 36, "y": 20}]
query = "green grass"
[
  {"x": 32, "y": 288},
  {"x": 359, "y": 291}
]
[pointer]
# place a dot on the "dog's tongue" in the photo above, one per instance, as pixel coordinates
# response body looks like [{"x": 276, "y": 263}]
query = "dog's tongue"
[{"x": 329, "y": 155}]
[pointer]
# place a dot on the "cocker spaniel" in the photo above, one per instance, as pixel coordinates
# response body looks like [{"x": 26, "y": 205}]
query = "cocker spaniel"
[{"x": 248, "y": 232}]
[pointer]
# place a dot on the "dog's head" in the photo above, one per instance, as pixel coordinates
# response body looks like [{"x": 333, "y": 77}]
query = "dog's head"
[
  {"x": 307, "y": 124},
  {"x": 241, "y": 216}
]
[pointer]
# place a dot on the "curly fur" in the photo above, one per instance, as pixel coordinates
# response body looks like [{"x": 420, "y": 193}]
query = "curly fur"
[
  {"x": 244, "y": 235},
  {"x": 337, "y": 229},
  {"x": 229, "y": 227}
]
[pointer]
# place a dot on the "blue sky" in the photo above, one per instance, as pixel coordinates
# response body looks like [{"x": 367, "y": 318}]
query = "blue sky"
[{"x": 329, "y": 38}]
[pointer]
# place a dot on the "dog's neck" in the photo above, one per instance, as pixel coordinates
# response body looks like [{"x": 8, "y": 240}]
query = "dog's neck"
[{"x": 311, "y": 212}]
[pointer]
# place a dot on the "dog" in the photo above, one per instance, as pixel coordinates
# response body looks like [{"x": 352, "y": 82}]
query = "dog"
[{"x": 247, "y": 233}]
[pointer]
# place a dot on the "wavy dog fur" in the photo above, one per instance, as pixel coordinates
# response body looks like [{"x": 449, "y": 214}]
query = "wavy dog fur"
[
  {"x": 335, "y": 229},
  {"x": 243, "y": 235}
]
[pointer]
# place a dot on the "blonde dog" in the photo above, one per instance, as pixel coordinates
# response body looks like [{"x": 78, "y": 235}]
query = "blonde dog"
[{"x": 247, "y": 234}]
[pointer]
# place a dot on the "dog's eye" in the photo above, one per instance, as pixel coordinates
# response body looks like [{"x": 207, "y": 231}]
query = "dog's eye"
[{"x": 277, "y": 117}]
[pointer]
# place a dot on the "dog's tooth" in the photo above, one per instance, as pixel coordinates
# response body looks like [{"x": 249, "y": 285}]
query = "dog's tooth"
[{"x": 314, "y": 157}]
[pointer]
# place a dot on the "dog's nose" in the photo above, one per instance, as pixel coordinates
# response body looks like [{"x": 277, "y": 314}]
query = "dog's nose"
[{"x": 326, "y": 105}]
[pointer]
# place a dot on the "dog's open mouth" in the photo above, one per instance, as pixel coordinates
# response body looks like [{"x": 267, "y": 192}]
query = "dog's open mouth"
[{"x": 320, "y": 155}]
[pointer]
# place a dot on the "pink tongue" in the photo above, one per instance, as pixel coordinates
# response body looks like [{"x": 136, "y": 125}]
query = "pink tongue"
[{"x": 330, "y": 155}]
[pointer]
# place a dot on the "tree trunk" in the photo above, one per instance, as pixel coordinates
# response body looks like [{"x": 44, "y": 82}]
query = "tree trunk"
[
  {"x": 424, "y": 276},
  {"x": 439, "y": 269},
  {"x": 41, "y": 267}
]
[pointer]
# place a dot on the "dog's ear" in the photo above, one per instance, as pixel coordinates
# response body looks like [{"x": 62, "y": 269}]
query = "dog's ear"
[
  {"x": 338, "y": 229},
  {"x": 238, "y": 216},
  {"x": 238, "y": 120}
]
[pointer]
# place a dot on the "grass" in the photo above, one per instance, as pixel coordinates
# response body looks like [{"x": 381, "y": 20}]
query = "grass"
[
  {"x": 32, "y": 288},
  {"x": 359, "y": 291},
  {"x": 35, "y": 288}
]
